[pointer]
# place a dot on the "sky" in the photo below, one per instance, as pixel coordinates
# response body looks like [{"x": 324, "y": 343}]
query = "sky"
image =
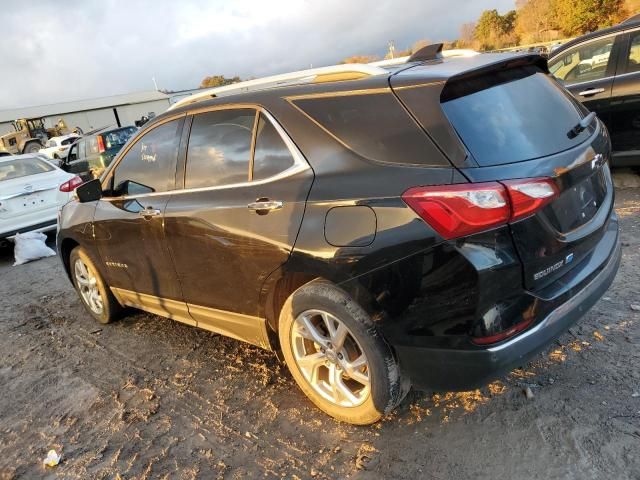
[{"x": 52, "y": 51}]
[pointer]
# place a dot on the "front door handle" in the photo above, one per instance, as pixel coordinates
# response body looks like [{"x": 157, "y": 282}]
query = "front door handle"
[
  {"x": 591, "y": 91},
  {"x": 262, "y": 206},
  {"x": 149, "y": 212}
]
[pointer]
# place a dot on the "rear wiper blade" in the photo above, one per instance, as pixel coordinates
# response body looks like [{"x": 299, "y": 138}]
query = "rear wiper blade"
[{"x": 582, "y": 126}]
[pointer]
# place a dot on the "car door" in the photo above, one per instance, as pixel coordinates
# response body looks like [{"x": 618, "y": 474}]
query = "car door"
[
  {"x": 129, "y": 223},
  {"x": 625, "y": 104},
  {"x": 588, "y": 70},
  {"x": 76, "y": 161},
  {"x": 237, "y": 218}
]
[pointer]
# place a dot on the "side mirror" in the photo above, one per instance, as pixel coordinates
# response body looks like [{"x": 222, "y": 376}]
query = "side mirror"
[{"x": 89, "y": 191}]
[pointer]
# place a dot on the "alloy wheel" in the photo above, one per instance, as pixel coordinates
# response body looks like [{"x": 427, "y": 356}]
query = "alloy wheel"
[
  {"x": 330, "y": 358},
  {"x": 88, "y": 286}
]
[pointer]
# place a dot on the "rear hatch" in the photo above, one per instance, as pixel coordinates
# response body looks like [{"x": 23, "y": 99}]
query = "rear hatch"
[{"x": 514, "y": 121}]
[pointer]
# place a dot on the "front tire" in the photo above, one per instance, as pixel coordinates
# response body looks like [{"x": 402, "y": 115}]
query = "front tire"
[
  {"x": 32, "y": 147},
  {"x": 92, "y": 289},
  {"x": 337, "y": 356}
]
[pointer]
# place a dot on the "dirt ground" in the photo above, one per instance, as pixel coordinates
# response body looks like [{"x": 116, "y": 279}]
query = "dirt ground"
[{"x": 149, "y": 398}]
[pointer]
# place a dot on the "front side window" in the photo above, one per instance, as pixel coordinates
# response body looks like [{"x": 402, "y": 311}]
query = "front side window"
[
  {"x": 219, "y": 150},
  {"x": 69, "y": 141},
  {"x": 272, "y": 156},
  {"x": 150, "y": 164},
  {"x": 583, "y": 63}
]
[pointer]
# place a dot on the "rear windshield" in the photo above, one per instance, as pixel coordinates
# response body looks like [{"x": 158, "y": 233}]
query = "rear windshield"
[
  {"x": 23, "y": 167},
  {"x": 512, "y": 116},
  {"x": 118, "y": 137}
]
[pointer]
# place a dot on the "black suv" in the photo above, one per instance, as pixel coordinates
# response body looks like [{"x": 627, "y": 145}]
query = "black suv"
[
  {"x": 93, "y": 153},
  {"x": 602, "y": 70},
  {"x": 433, "y": 224}
]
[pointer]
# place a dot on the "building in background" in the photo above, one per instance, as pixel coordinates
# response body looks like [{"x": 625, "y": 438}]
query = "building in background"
[{"x": 92, "y": 114}]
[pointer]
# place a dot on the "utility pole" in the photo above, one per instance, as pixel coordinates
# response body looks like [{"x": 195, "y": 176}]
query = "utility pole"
[{"x": 392, "y": 49}]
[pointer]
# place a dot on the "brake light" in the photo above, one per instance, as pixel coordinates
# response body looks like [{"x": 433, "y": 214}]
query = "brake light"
[
  {"x": 530, "y": 195},
  {"x": 100, "y": 143},
  {"x": 464, "y": 209},
  {"x": 460, "y": 210},
  {"x": 71, "y": 185}
]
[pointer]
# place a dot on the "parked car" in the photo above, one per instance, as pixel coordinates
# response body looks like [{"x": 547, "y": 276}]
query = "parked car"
[
  {"x": 32, "y": 191},
  {"x": 602, "y": 70},
  {"x": 433, "y": 224},
  {"x": 89, "y": 156},
  {"x": 56, "y": 148}
]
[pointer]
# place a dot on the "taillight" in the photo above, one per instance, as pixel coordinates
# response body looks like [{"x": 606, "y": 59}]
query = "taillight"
[
  {"x": 530, "y": 195},
  {"x": 498, "y": 337},
  {"x": 100, "y": 143},
  {"x": 460, "y": 210},
  {"x": 71, "y": 185},
  {"x": 464, "y": 209}
]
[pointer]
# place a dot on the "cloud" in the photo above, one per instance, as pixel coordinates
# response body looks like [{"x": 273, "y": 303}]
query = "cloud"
[{"x": 57, "y": 51}]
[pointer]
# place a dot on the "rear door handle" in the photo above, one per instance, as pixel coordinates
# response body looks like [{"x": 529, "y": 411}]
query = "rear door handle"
[
  {"x": 149, "y": 212},
  {"x": 265, "y": 205},
  {"x": 591, "y": 91}
]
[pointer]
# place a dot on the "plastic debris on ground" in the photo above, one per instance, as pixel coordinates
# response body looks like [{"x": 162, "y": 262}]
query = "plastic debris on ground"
[
  {"x": 30, "y": 246},
  {"x": 52, "y": 459}
]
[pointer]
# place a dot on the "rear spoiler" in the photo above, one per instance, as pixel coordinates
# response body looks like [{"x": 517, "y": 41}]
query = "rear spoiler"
[{"x": 486, "y": 76}]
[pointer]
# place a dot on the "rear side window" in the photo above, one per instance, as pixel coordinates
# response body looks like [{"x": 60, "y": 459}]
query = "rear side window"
[
  {"x": 272, "y": 155},
  {"x": 219, "y": 150},
  {"x": 375, "y": 126},
  {"x": 150, "y": 164},
  {"x": 512, "y": 116},
  {"x": 23, "y": 168}
]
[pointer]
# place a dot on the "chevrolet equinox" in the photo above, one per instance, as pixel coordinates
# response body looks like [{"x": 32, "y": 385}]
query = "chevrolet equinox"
[{"x": 434, "y": 223}]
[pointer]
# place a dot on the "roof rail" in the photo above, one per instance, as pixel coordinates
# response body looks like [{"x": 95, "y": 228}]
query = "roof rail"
[{"x": 349, "y": 71}]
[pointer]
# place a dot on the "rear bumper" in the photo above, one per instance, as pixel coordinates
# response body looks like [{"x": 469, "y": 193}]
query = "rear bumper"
[{"x": 457, "y": 369}]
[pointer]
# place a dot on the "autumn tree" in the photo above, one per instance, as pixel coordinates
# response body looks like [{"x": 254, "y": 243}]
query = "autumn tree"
[
  {"x": 536, "y": 21},
  {"x": 576, "y": 17},
  {"x": 218, "y": 81},
  {"x": 494, "y": 30}
]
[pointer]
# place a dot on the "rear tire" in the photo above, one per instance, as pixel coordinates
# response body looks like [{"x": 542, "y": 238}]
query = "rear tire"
[
  {"x": 337, "y": 355},
  {"x": 92, "y": 289}
]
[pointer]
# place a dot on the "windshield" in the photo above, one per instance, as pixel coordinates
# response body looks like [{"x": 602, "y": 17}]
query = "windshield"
[
  {"x": 118, "y": 137},
  {"x": 23, "y": 167},
  {"x": 513, "y": 116}
]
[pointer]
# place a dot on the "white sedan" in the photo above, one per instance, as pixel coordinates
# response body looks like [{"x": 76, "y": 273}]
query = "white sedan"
[
  {"x": 57, "y": 148},
  {"x": 31, "y": 192}
]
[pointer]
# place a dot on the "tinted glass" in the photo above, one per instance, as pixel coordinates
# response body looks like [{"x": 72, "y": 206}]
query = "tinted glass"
[
  {"x": 272, "y": 155},
  {"x": 81, "y": 149},
  {"x": 633, "y": 61},
  {"x": 219, "y": 148},
  {"x": 68, "y": 141},
  {"x": 23, "y": 168},
  {"x": 522, "y": 119},
  {"x": 375, "y": 126},
  {"x": 151, "y": 161},
  {"x": 118, "y": 138},
  {"x": 584, "y": 63}
]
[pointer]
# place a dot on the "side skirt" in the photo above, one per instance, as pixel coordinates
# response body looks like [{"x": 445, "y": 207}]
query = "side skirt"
[{"x": 235, "y": 325}]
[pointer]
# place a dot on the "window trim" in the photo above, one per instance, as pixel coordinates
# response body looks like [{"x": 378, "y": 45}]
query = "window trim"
[{"x": 299, "y": 162}]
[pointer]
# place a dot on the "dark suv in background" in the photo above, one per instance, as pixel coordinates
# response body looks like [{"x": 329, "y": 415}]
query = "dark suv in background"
[
  {"x": 602, "y": 70},
  {"x": 90, "y": 155},
  {"x": 435, "y": 224}
]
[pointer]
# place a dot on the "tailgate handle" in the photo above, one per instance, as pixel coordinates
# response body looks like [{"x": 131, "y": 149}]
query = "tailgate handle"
[{"x": 591, "y": 91}]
